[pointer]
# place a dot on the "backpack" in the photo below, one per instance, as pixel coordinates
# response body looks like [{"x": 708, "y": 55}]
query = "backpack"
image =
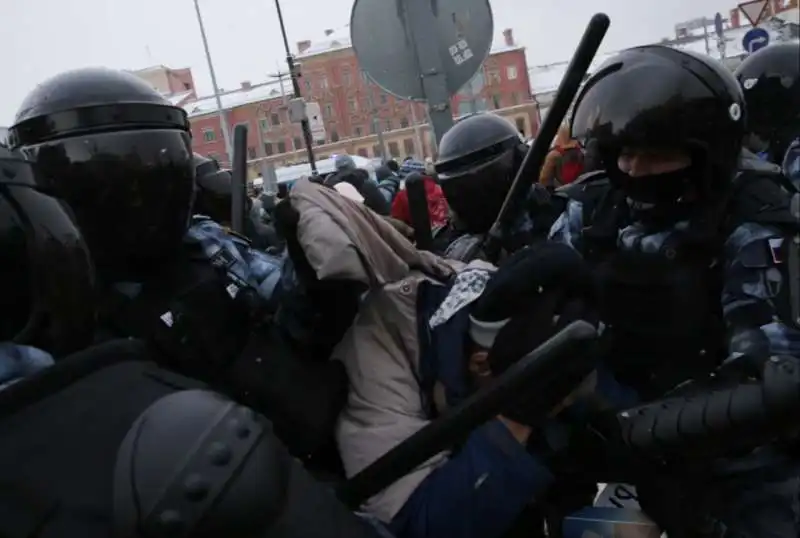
[{"x": 570, "y": 166}]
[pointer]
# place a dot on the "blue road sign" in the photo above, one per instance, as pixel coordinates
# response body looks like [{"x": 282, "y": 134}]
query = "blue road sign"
[{"x": 755, "y": 39}]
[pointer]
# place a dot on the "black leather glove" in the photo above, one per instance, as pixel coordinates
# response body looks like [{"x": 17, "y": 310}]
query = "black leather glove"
[{"x": 525, "y": 333}]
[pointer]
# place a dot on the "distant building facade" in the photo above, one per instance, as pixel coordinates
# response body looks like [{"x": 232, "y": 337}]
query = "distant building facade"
[
  {"x": 353, "y": 108},
  {"x": 177, "y": 85},
  {"x": 780, "y": 20}
]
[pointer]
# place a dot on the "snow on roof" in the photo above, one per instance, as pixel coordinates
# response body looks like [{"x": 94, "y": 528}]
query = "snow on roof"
[
  {"x": 233, "y": 99},
  {"x": 340, "y": 40},
  {"x": 175, "y": 99},
  {"x": 790, "y": 15},
  {"x": 546, "y": 78}
]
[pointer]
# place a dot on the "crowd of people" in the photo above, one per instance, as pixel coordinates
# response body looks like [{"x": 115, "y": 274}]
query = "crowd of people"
[{"x": 164, "y": 375}]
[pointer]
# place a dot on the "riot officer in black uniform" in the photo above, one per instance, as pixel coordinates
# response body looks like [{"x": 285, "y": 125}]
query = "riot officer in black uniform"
[
  {"x": 770, "y": 79},
  {"x": 478, "y": 160},
  {"x": 68, "y": 468},
  {"x": 203, "y": 299},
  {"x": 120, "y": 156},
  {"x": 686, "y": 250},
  {"x": 46, "y": 275}
]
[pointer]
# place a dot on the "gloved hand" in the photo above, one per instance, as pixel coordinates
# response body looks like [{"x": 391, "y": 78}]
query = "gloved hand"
[
  {"x": 534, "y": 294},
  {"x": 525, "y": 333}
]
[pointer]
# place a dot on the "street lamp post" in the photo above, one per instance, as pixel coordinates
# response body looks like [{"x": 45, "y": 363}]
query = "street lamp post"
[
  {"x": 222, "y": 119},
  {"x": 296, "y": 87}
]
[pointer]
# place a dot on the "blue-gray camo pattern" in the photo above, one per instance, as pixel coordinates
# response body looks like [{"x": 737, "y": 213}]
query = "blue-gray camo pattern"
[
  {"x": 758, "y": 508},
  {"x": 246, "y": 266},
  {"x": 750, "y": 275}
]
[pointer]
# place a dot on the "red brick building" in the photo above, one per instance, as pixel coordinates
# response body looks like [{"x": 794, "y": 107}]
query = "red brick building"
[{"x": 353, "y": 108}]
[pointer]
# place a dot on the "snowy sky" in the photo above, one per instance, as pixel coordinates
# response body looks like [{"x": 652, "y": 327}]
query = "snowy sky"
[{"x": 45, "y": 37}]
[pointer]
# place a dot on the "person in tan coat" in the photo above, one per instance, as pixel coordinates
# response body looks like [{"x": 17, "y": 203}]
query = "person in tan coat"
[{"x": 407, "y": 358}]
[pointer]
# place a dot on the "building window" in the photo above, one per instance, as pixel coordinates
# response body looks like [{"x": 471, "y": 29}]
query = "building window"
[
  {"x": 334, "y": 136},
  {"x": 323, "y": 82},
  {"x": 511, "y": 72},
  {"x": 496, "y": 102},
  {"x": 384, "y": 99},
  {"x": 264, "y": 124},
  {"x": 251, "y": 153},
  {"x": 346, "y": 78},
  {"x": 209, "y": 135},
  {"x": 268, "y": 149},
  {"x": 187, "y": 86},
  {"x": 362, "y": 152},
  {"x": 352, "y": 105},
  {"x": 308, "y": 86},
  {"x": 298, "y": 142},
  {"x": 376, "y": 151},
  {"x": 275, "y": 119},
  {"x": 514, "y": 99},
  {"x": 373, "y": 127},
  {"x": 493, "y": 76},
  {"x": 328, "y": 110},
  {"x": 389, "y": 125},
  {"x": 520, "y": 126},
  {"x": 320, "y": 142},
  {"x": 281, "y": 147},
  {"x": 394, "y": 151},
  {"x": 359, "y": 131},
  {"x": 408, "y": 146},
  {"x": 403, "y": 122}
]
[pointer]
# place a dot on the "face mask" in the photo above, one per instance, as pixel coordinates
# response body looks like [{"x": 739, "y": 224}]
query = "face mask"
[{"x": 657, "y": 189}]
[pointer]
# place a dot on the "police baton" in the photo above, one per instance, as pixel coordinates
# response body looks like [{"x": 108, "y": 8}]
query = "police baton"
[
  {"x": 239, "y": 178},
  {"x": 534, "y": 158},
  {"x": 418, "y": 209},
  {"x": 548, "y": 371}
]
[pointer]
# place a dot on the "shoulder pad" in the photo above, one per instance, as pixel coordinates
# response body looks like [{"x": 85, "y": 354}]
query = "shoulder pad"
[
  {"x": 586, "y": 187},
  {"x": 760, "y": 197}
]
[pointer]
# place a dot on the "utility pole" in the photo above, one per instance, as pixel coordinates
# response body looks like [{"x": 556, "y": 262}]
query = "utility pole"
[
  {"x": 223, "y": 121},
  {"x": 376, "y": 123},
  {"x": 418, "y": 144},
  {"x": 296, "y": 87}
]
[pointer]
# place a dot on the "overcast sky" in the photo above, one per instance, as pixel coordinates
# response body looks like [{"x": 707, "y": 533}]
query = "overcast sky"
[{"x": 45, "y": 37}]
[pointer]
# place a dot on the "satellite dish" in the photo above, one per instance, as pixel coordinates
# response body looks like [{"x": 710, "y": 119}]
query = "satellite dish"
[{"x": 381, "y": 37}]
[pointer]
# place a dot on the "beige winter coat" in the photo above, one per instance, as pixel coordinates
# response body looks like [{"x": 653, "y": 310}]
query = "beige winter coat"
[{"x": 345, "y": 240}]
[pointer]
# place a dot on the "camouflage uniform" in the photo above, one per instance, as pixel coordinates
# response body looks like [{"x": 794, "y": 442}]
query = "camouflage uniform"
[
  {"x": 751, "y": 505},
  {"x": 245, "y": 266}
]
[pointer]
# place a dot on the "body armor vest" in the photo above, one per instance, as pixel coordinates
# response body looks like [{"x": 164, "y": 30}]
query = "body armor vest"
[
  {"x": 196, "y": 318},
  {"x": 659, "y": 296}
]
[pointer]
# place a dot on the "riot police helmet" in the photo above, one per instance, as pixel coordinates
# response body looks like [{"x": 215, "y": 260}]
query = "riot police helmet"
[
  {"x": 478, "y": 159},
  {"x": 770, "y": 79},
  {"x": 46, "y": 274},
  {"x": 214, "y": 189},
  {"x": 668, "y": 124},
  {"x": 119, "y": 154}
]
